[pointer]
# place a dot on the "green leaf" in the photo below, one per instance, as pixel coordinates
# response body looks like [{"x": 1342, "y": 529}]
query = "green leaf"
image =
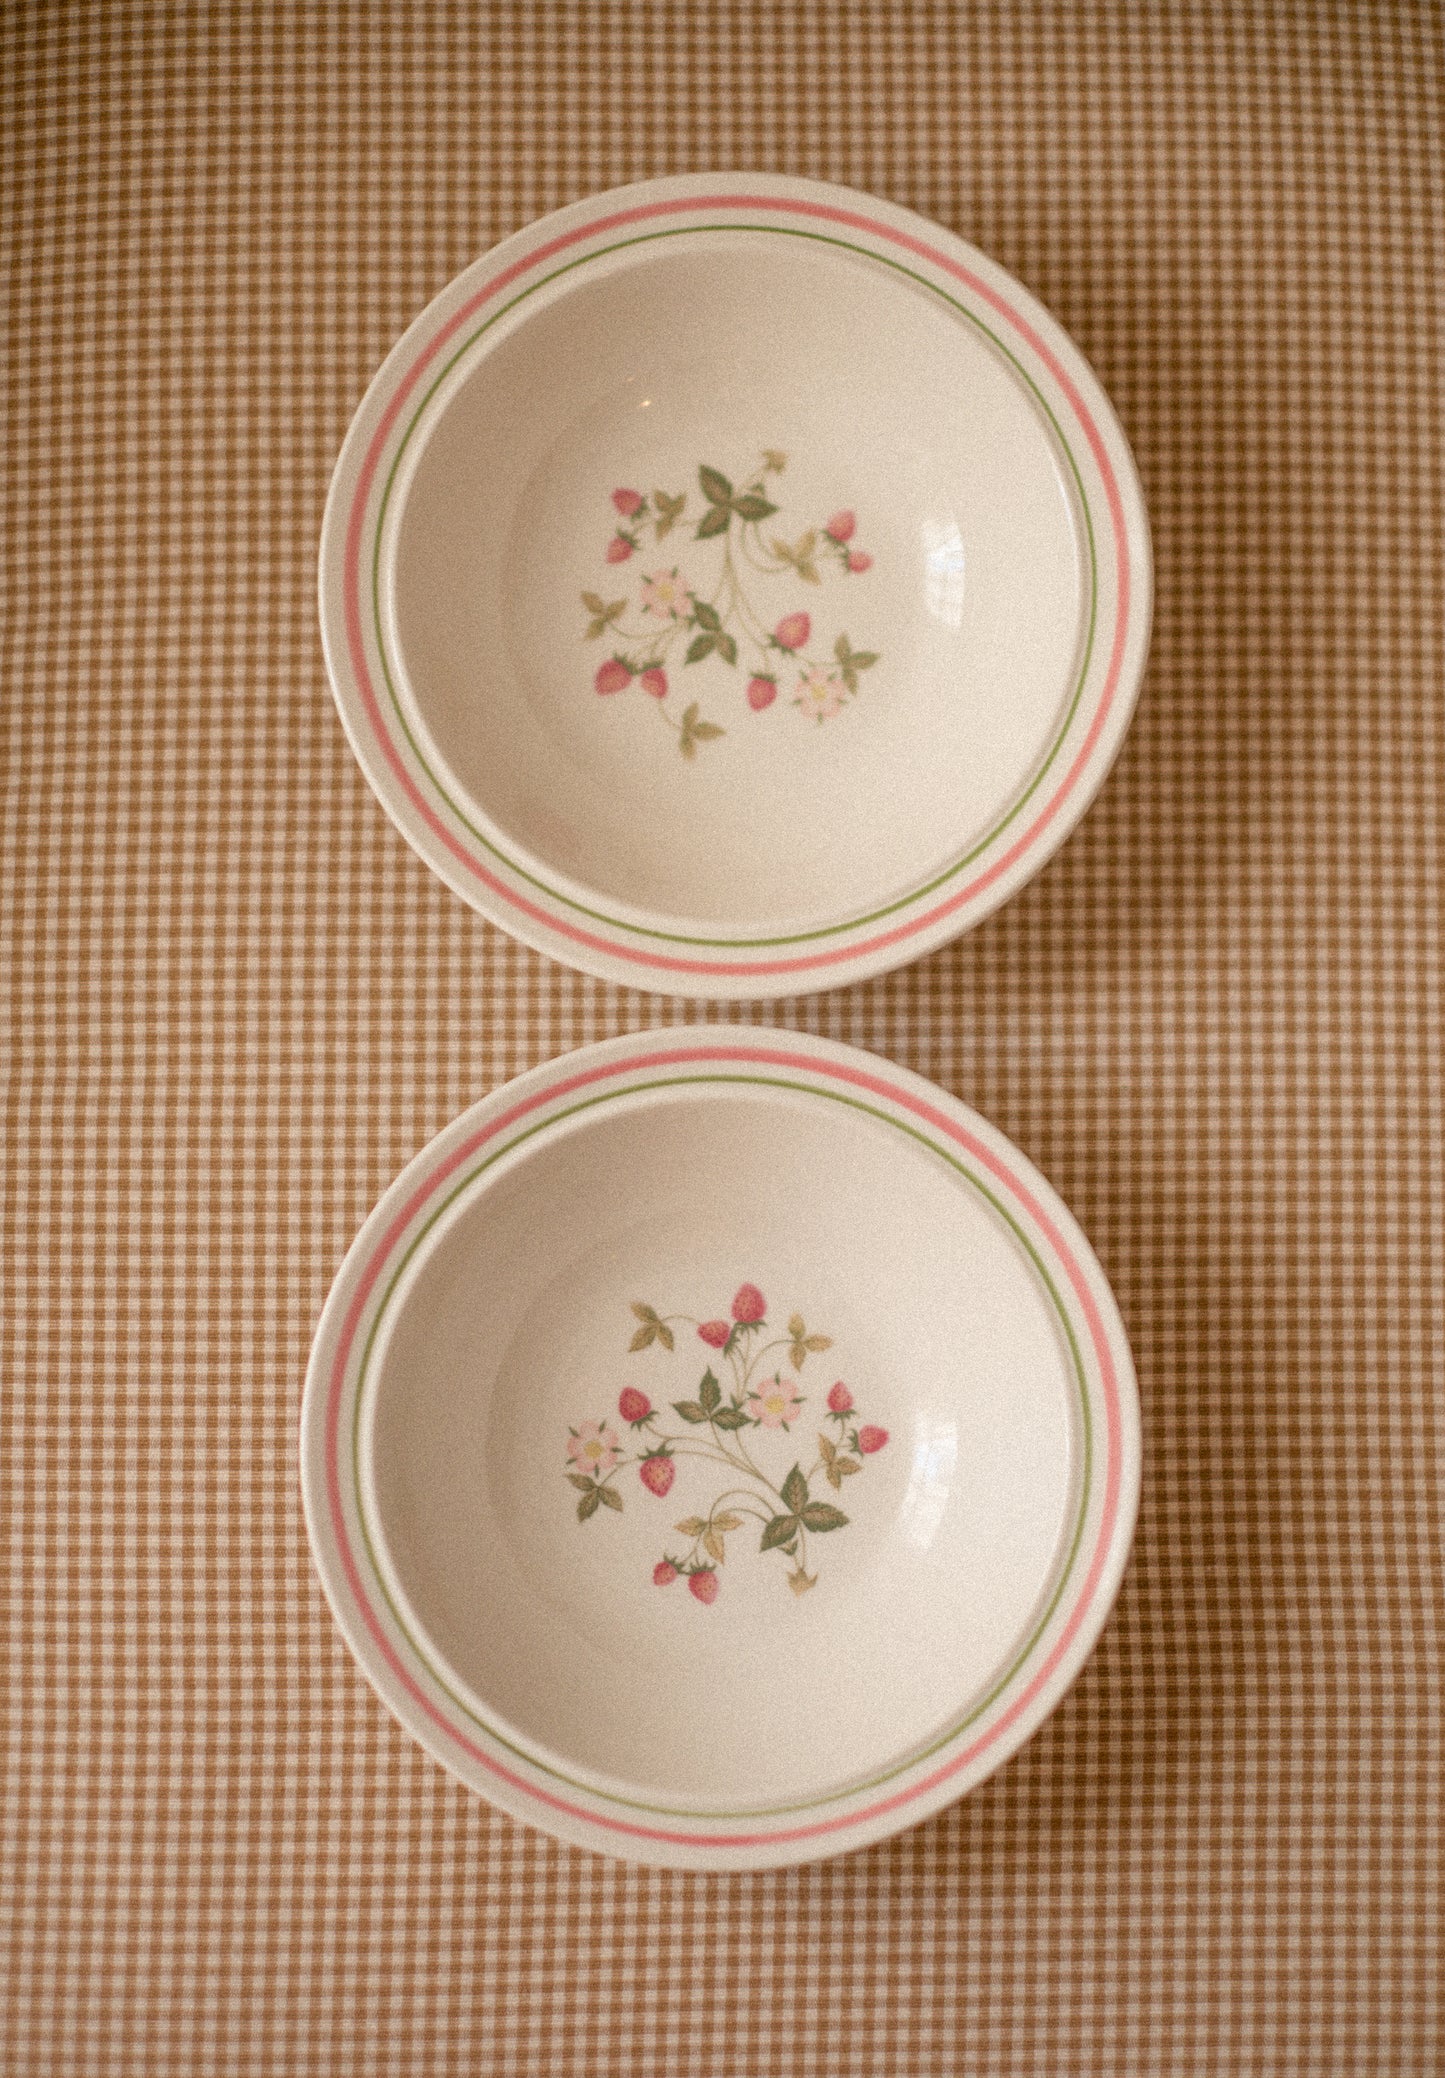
[
  {"x": 809, "y": 573},
  {"x": 712, "y": 1544},
  {"x": 690, "y": 1411},
  {"x": 730, "y": 1418},
  {"x": 774, "y": 459},
  {"x": 643, "y": 1312},
  {"x": 715, "y": 486},
  {"x": 727, "y": 649},
  {"x": 610, "y": 1497},
  {"x": 706, "y": 616},
  {"x": 727, "y": 1521},
  {"x": 669, "y": 511},
  {"x": 817, "y": 1342},
  {"x": 643, "y": 1336},
  {"x": 797, "y": 1327},
  {"x": 795, "y": 1490},
  {"x": 709, "y": 1393},
  {"x": 780, "y": 1531},
  {"x": 751, "y": 506},
  {"x": 701, "y": 646},
  {"x": 583, "y": 1486},
  {"x": 705, "y": 731},
  {"x": 664, "y": 1335},
  {"x": 862, "y": 658},
  {"x": 716, "y": 520},
  {"x": 588, "y": 1505},
  {"x": 800, "y": 1582},
  {"x": 827, "y": 1449},
  {"x": 841, "y": 650},
  {"x": 822, "y": 1515},
  {"x": 846, "y": 1466}
]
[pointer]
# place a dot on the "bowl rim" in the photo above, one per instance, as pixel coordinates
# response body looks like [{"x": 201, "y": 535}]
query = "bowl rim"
[
  {"x": 520, "y": 1775},
  {"x": 494, "y": 871}
]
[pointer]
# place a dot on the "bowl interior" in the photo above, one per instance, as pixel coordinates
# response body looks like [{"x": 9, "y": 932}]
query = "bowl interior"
[
  {"x": 846, "y": 786},
  {"x": 497, "y": 1382}
]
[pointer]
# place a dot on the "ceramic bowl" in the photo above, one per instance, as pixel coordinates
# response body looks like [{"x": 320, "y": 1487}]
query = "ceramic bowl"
[
  {"x": 735, "y": 586},
  {"x": 720, "y": 1448}
]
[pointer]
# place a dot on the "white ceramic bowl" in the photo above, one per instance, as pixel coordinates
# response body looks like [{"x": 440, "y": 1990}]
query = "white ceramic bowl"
[
  {"x": 735, "y": 586},
  {"x": 720, "y": 1448}
]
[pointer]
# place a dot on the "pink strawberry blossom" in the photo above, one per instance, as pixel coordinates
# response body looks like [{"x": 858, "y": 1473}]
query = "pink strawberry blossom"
[
  {"x": 820, "y": 693},
  {"x": 775, "y": 1402},
  {"x": 594, "y": 1448},
  {"x": 666, "y": 596}
]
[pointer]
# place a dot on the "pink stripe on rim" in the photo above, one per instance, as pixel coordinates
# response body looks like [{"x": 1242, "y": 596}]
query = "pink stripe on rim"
[
  {"x": 769, "y": 1057},
  {"x": 617, "y": 948}
]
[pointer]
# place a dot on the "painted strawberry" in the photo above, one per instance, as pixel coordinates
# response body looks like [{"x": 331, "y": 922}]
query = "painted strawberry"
[
  {"x": 628, "y": 502},
  {"x": 792, "y": 631},
  {"x": 633, "y": 1406},
  {"x": 762, "y": 691},
  {"x": 871, "y": 1439},
  {"x": 703, "y": 1583},
  {"x": 619, "y": 548},
  {"x": 657, "y": 1472},
  {"x": 840, "y": 526},
  {"x": 858, "y": 562},
  {"x": 654, "y": 681},
  {"x": 749, "y": 1305},
  {"x": 715, "y": 1333},
  {"x": 839, "y": 1399},
  {"x": 613, "y": 676},
  {"x": 664, "y": 1573}
]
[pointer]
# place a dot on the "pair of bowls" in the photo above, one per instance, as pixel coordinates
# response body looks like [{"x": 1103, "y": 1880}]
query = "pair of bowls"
[{"x": 720, "y": 1447}]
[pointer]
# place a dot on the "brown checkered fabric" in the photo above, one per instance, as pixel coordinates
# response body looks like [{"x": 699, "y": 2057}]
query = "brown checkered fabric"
[{"x": 236, "y": 1003}]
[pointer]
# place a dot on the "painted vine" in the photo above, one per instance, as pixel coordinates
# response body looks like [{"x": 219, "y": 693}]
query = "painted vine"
[
  {"x": 718, "y": 617},
  {"x": 716, "y": 1422}
]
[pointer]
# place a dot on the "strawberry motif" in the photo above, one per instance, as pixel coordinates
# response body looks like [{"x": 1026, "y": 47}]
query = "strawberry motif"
[
  {"x": 657, "y": 1472},
  {"x": 703, "y": 1583},
  {"x": 749, "y": 1305},
  {"x": 762, "y": 691},
  {"x": 634, "y": 1406},
  {"x": 612, "y": 676},
  {"x": 714, "y": 1333},
  {"x": 664, "y": 1573},
  {"x": 871, "y": 1439},
  {"x": 654, "y": 681},
  {"x": 840, "y": 1399}
]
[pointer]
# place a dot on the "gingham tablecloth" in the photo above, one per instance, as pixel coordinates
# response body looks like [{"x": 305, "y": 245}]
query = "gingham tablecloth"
[{"x": 237, "y": 1003}]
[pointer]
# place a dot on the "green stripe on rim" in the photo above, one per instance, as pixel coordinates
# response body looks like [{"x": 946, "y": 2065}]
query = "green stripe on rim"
[
  {"x": 944, "y": 1739},
  {"x": 828, "y": 930}
]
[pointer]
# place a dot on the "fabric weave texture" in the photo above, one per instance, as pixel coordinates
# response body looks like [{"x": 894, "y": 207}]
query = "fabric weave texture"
[{"x": 236, "y": 1003}]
